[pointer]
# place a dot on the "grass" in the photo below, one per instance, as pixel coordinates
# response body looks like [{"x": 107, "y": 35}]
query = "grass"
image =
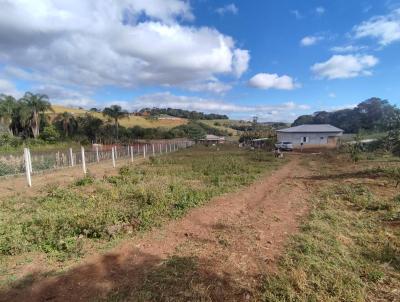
[
  {"x": 38, "y": 146},
  {"x": 223, "y": 125},
  {"x": 126, "y": 122},
  {"x": 64, "y": 221},
  {"x": 348, "y": 249}
]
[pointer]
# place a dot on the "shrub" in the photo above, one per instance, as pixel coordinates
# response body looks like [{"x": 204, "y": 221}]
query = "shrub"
[{"x": 50, "y": 134}]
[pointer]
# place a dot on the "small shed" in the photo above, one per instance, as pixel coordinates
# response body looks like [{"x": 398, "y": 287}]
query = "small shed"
[
  {"x": 318, "y": 135},
  {"x": 212, "y": 139}
]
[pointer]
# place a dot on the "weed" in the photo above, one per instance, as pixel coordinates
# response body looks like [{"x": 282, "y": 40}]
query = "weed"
[
  {"x": 143, "y": 196},
  {"x": 87, "y": 180},
  {"x": 342, "y": 252}
]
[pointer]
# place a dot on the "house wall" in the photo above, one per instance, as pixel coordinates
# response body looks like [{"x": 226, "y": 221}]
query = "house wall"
[{"x": 312, "y": 139}]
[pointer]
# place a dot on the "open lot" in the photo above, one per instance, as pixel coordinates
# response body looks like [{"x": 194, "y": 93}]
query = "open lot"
[{"x": 211, "y": 225}]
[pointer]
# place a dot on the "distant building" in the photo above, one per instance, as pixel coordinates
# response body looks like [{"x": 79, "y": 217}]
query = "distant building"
[
  {"x": 212, "y": 139},
  {"x": 168, "y": 117},
  {"x": 310, "y": 135}
]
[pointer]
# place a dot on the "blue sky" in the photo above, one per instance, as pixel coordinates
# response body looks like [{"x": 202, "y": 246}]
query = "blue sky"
[{"x": 273, "y": 59}]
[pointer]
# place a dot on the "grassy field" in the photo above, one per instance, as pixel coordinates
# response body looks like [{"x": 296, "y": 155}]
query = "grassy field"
[
  {"x": 65, "y": 223},
  {"x": 223, "y": 125},
  {"x": 349, "y": 248},
  {"x": 126, "y": 122}
]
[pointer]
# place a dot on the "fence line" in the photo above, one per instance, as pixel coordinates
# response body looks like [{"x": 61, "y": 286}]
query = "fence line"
[{"x": 29, "y": 165}]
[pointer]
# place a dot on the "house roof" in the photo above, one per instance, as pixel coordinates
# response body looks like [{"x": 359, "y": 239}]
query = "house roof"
[
  {"x": 311, "y": 128},
  {"x": 211, "y": 137}
]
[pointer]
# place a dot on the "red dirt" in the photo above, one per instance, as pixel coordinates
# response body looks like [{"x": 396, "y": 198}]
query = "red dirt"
[{"x": 238, "y": 237}]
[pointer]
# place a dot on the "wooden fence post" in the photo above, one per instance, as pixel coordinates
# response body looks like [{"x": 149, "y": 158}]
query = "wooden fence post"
[
  {"x": 154, "y": 152},
  {"x": 144, "y": 151},
  {"x": 113, "y": 156},
  {"x": 27, "y": 167},
  {"x": 131, "y": 153},
  {"x": 83, "y": 160}
]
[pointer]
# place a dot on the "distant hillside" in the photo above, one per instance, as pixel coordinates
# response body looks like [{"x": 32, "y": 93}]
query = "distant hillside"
[
  {"x": 370, "y": 115},
  {"x": 130, "y": 121},
  {"x": 193, "y": 115}
]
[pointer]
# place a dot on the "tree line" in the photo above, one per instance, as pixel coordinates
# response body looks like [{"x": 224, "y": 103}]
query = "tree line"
[
  {"x": 29, "y": 118},
  {"x": 191, "y": 115},
  {"x": 370, "y": 115}
]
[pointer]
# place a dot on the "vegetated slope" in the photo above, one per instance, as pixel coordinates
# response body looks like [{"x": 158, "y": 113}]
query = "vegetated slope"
[
  {"x": 130, "y": 121},
  {"x": 223, "y": 125}
]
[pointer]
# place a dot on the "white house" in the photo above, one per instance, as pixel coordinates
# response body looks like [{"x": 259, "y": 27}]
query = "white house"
[
  {"x": 212, "y": 139},
  {"x": 310, "y": 135}
]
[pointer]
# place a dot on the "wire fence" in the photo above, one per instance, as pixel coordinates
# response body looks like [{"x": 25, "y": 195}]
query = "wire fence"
[{"x": 13, "y": 165}]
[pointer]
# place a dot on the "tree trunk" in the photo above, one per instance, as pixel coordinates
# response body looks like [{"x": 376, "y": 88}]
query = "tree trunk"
[
  {"x": 35, "y": 126},
  {"x": 116, "y": 126}
]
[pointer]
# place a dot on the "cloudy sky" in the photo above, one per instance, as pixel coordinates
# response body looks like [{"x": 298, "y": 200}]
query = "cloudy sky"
[{"x": 273, "y": 59}]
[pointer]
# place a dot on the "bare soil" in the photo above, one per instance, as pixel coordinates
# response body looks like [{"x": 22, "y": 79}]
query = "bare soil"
[{"x": 235, "y": 239}]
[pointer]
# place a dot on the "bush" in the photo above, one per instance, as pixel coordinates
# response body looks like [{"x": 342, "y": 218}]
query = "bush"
[{"x": 50, "y": 134}]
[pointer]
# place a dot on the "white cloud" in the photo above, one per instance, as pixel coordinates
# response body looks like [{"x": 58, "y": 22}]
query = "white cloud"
[
  {"x": 345, "y": 66},
  {"x": 347, "y": 48},
  {"x": 269, "y": 81},
  {"x": 229, "y": 8},
  {"x": 332, "y": 95},
  {"x": 64, "y": 96},
  {"x": 77, "y": 102},
  {"x": 386, "y": 29},
  {"x": 241, "y": 60},
  {"x": 213, "y": 85},
  {"x": 320, "y": 10},
  {"x": 166, "y": 99},
  {"x": 310, "y": 40},
  {"x": 123, "y": 43},
  {"x": 7, "y": 87}
]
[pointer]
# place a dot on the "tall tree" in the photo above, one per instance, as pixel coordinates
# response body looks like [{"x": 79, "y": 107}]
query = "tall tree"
[
  {"x": 38, "y": 103},
  {"x": 21, "y": 119},
  {"x": 90, "y": 126},
  {"x": 7, "y": 105},
  {"x": 115, "y": 112},
  {"x": 68, "y": 122}
]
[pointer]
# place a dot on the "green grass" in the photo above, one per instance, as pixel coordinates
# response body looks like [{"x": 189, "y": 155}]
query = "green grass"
[
  {"x": 38, "y": 146},
  {"x": 61, "y": 222},
  {"x": 346, "y": 251}
]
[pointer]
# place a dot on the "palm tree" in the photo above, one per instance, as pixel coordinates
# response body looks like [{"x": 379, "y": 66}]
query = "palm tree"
[
  {"x": 38, "y": 103},
  {"x": 115, "y": 112},
  {"x": 21, "y": 119},
  {"x": 68, "y": 122},
  {"x": 7, "y": 105}
]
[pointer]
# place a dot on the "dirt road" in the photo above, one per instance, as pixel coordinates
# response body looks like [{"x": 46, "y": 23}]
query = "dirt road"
[{"x": 218, "y": 252}]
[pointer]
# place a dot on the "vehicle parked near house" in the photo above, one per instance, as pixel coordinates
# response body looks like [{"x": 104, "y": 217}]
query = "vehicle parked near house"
[{"x": 285, "y": 146}]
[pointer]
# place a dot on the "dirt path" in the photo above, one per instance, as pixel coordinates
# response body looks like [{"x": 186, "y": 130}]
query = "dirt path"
[{"x": 233, "y": 240}]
